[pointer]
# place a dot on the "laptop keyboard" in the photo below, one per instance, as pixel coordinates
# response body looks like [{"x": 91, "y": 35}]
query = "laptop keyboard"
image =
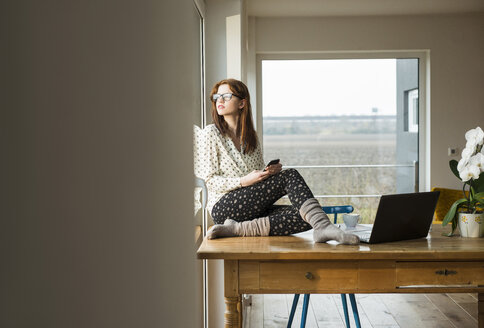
[{"x": 363, "y": 235}]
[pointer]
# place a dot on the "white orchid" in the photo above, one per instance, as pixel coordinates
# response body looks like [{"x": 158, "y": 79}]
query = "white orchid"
[
  {"x": 471, "y": 144},
  {"x": 475, "y": 135},
  {"x": 462, "y": 163},
  {"x": 477, "y": 160},
  {"x": 467, "y": 153},
  {"x": 471, "y": 164},
  {"x": 469, "y": 172},
  {"x": 472, "y": 161}
]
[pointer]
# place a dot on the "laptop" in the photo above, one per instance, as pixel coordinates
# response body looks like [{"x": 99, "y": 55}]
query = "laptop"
[{"x": 400, "y": 217}]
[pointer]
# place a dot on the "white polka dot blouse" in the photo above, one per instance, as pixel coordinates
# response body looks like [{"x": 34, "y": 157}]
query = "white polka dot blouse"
[{"x": 220, "y": 163}]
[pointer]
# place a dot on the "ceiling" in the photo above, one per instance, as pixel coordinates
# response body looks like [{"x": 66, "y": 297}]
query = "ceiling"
[{"x": 274, "y": 8}]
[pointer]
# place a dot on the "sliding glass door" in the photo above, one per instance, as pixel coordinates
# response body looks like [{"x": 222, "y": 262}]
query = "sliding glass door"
[{"x": 350, "y": 126}]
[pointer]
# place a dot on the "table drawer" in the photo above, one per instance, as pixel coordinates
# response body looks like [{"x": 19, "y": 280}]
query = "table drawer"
[
  {"x": 309, "y": 276},
  {"x": 439, "y": 273}
]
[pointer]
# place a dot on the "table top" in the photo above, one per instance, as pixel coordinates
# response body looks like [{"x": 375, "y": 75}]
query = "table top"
[{"x": 302, "y": 247}]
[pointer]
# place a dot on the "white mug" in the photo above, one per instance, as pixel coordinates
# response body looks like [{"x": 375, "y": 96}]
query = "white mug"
[{"x": 351, "y": 219}]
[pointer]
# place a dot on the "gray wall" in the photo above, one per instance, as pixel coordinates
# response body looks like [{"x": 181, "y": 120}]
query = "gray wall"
[{"x": 97, "y": 191}]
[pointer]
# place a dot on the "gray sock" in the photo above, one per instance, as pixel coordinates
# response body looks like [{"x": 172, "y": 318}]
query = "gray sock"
[
  {"x": 324, "y": 230},
  {"x": 231, "y": 228}
]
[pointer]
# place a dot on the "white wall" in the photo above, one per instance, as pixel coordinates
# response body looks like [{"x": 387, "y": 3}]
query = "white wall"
[
  {"x": 456, "y": 53},
  {"x": 217, "y": 12},
  {"x": 216, "y": 44},
  {"x": 96, "y": 227}
]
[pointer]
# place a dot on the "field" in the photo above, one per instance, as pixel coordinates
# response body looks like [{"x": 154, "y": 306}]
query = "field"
[{"x": 337, "y": 147}]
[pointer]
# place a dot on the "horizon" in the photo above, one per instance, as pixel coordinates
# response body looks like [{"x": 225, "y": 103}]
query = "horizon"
[{"x": 332, "y": 116}]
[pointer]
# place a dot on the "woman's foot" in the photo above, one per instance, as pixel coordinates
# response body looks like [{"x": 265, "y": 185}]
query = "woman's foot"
[
  {"x": 332, "y": 232},
  {"x": 228, "y": 229},
  {"x": 231, "y": 228},
  {"x": 324, "y": 230}
]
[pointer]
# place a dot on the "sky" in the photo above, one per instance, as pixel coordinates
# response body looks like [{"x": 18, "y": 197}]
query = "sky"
[{"x": 328, "y": 87}]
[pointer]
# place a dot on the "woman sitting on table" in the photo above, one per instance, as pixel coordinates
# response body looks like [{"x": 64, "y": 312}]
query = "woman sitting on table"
[{"x": 241, "y": 190}]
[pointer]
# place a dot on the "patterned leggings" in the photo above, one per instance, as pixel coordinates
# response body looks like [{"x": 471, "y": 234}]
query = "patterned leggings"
[{"x": 258, "y": 200}]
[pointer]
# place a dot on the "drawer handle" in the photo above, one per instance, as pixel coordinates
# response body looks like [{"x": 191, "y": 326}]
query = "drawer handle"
[
  {"x": 309, "y": 275},
  {"x": 445, "y": 272}
]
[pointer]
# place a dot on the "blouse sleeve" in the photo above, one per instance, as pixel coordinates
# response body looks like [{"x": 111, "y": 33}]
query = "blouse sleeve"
[{"x": 212, "y": 177}]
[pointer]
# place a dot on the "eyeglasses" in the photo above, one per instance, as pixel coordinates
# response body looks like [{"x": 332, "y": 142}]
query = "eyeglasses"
[{"x": 225, "y": 96}]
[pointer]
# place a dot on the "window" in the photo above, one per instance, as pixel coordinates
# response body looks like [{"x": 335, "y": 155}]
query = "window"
[
  {"x": 340, "y": 122},
  {"x": 411, "y": 110}
]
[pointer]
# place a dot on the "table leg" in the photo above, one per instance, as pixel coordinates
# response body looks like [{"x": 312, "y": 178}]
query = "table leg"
[
  {"x": 232, "y": 314},
  {"x": 233, "y": 306},
  {"x": 480, "y": 309},
  {"x": 240, "y": 309}
]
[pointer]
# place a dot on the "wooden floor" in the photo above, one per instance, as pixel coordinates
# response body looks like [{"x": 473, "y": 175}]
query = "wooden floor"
[{"x": 376, "y": 310}]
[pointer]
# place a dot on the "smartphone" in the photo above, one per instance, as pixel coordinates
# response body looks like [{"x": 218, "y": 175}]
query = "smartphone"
[{"x": 274, "y": 161}]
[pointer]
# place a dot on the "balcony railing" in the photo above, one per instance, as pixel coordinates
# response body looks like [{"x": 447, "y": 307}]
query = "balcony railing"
[{"x": 414, "y": 165}]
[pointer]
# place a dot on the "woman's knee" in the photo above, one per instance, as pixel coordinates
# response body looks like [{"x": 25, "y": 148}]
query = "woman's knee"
[{"x": 293, "y": 173}]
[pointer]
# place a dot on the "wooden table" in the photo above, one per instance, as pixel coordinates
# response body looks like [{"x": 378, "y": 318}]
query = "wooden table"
[{"x": 297, "y": 265}]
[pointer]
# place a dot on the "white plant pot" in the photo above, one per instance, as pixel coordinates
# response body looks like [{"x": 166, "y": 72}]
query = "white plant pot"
[{"x": 471, "y": 225}]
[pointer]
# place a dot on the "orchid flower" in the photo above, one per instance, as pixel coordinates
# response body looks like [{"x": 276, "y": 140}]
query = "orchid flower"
[
  {"x": 462, "y": 163},
  {"x": 477, "y": 160},
  {"x": 476, "y": 135},
  {"x": 467, "y": 153},
  {"x": 469, "y": 172}
]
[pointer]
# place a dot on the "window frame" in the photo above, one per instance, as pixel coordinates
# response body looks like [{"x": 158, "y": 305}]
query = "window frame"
[
  {"x": 200, "y": 7},
  {"x": 423, "y": 99},
  {"x": 411, "y": 95}
]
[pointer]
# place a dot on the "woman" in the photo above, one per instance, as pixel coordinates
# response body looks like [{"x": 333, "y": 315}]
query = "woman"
[{"x": 241, "y": 190}]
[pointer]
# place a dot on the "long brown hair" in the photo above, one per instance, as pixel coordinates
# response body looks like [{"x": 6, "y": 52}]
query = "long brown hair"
[{"x": 245, "y": 127}]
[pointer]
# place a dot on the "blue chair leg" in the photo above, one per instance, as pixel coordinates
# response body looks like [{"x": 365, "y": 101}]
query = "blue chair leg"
[
  {"x": 293, "y": 310},
  {"x": 345, "y": 310},
  {"x": 355, "y": 310},
  {"x": 305, "y": 310}
]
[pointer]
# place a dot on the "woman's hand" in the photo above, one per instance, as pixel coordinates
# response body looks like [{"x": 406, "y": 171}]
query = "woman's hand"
[
  {"x": 274, "y": 169},
  {"x": 254, "y": 177}
]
